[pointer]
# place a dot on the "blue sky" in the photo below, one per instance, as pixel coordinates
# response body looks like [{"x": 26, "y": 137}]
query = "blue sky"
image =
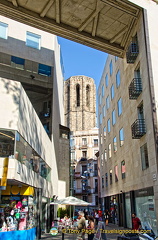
[{"x": 82, "y": 60}]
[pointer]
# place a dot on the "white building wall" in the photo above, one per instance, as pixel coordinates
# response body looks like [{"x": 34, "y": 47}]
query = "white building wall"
[{"x": 19, "y": 114}]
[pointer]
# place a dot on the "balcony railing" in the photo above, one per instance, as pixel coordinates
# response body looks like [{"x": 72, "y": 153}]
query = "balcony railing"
[
  {"x": 135, "y": 88},
  {"x": 132, "y": 52},
  {"x": 77, "y": 175},
  {"x": 83, "y": 145},
  {"x": 138, "y": 129}
]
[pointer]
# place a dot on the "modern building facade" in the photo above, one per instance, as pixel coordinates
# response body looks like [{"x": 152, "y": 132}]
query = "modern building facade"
[
  {"x": 32, "y": 136},
  {"x": 127, "y": 109},
  {"x": 80, "y": 117}
]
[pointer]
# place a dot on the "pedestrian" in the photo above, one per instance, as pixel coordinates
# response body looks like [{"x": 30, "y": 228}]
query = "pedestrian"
[
  {"x": 91, "y": 227},
  {"x": 107, "y": 214},
  {"x": 136, "y": 223},
  {"x": 96, "y": 215},
  {"x": 81, "y": 225}
]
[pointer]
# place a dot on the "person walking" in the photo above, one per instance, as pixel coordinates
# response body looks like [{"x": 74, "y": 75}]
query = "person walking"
[
  {"x": 107, "y": 214},
  {"x": 91, "y": 227},
  {"x": 81, "y": 225},
  {"x": 136, "y": 223}
]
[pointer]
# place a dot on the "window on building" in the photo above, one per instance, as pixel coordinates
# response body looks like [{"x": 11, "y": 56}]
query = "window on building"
[
  {"x": 112, "y": 92},
  {"x": 144, "y": 156},
  {"x": 33, "y": 40},
  {"x": 103, "y": 91},
  {"x": 87, "y": 95},
  {"x": 108, "y": 124},
  {"x": 106, "y": 80},
  {"x": 73, "y": 156},
  {"x": 102, "y": 181},
  {"x": 104, "y": 130},
  {"x": 105, "y": 155},
  {"x": 116, "y": 173},
  {"x": 101, "y": 138},
  {"x": 111, "y": 68},
  {"x": 100, "y": 101},
  {"x": 119, "y": 105},
  {"x": 118, "y": 79},
  {"x": 107, "y": 102},
  {"x": 104, "y": 111},
  {"x": 84, "y": 154},
  {"x": 100, "y": 118},
  {"x": 44, "y": 70},
  {"x": 106, "y": 179},
  {"x": 17, "y": 62},
  {"x": 95, "y": 142},
  {"x": 110, "y": 173},
  {"x": 84, "y": 141},
  {"x": 46, "y": 127},
  {"x": 84, "y": 169},
  {"x": 110, "y": 150},
  {"x": 113, "y": 117},
  {"x": 96, "y": 200},
  {"x": 68, "y": 98},
  {"x": 3, "y": 30},
  {"x": 78, "y": 95},
  {"x": 84, "y": 198},
  {"x": 102, "y": 162},
  {"x": 115, "y": 144},
  {"x": 121, "y": 135},
  {"x": 123, "y": 169}
]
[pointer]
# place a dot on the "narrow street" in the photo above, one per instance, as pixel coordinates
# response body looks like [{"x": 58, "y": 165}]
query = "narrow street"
[{"x": 110, "y": 236}]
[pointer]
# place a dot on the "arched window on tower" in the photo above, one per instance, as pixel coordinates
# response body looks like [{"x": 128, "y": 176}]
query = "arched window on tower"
[
  {"x": 68, "y": 98},
  {"x": 78, "y": 95},
  {"x": 87, "y": 95}
]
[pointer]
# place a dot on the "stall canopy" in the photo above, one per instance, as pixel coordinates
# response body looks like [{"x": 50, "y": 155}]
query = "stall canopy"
[{"x": 70, "y": 201}]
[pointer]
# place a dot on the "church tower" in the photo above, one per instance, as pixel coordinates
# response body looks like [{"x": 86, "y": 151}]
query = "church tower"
[{"x": 80, "y": 103}]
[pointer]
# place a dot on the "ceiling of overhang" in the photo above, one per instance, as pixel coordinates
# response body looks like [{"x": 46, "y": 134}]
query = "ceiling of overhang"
[{"x": 106, "y": 25}]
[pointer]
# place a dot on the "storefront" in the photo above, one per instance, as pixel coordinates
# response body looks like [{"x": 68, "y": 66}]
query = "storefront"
[
  {"x": 128, "y": 212},
  {"x": 18, "y": 212},
  {"x": 145, "y": 208}
]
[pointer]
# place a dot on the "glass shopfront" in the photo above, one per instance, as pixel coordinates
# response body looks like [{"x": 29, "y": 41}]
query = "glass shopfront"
[
  {"x": 12, "y": 145},
  {"x": 114, "y": 209},
  {"x": 128, "y": 210},
  {"x": 145, "y": 208}
]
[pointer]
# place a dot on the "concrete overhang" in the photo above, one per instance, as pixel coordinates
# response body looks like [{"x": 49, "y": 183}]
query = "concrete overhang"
[{"x": 106, "y": 25}]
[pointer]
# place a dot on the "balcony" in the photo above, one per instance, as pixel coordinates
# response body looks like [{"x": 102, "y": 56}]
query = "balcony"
[
  {"x": 77, "y": 175},
  {"x": 132, "y": 52},
  {"x": 135, "y": 88},
  {"x": 83, "y": 146},
  {"x": 138, "y": 129}
]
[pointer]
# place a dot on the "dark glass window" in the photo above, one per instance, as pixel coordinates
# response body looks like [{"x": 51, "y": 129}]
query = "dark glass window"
[
  {"x": 17, "y": 62},
  {"x": 144, "y": 156},
  {"x": 44, "y": 69},
  {"x": 123, "y": 169},
  {"x": 78, "y": 95}
]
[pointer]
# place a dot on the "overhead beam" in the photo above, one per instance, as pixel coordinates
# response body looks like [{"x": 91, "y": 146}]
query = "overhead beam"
[
  {"x": 46, "y": 8},
  {"x": 121, "y": 7},
  {"x": 57, "y": 8},
  {"x": 119, "y": 34},
  {"x": 90, "y": 17},
  {"x": 15, "y": 3}
]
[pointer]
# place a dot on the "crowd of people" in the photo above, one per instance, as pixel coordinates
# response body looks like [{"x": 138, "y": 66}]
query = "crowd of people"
[{"x": 89, "y": 221}]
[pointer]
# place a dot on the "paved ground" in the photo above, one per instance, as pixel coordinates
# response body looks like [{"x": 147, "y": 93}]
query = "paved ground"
[{"x": 72, "y": 236}]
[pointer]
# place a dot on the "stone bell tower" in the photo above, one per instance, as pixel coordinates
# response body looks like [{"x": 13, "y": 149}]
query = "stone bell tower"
[{"x": 80, "y": 103}]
